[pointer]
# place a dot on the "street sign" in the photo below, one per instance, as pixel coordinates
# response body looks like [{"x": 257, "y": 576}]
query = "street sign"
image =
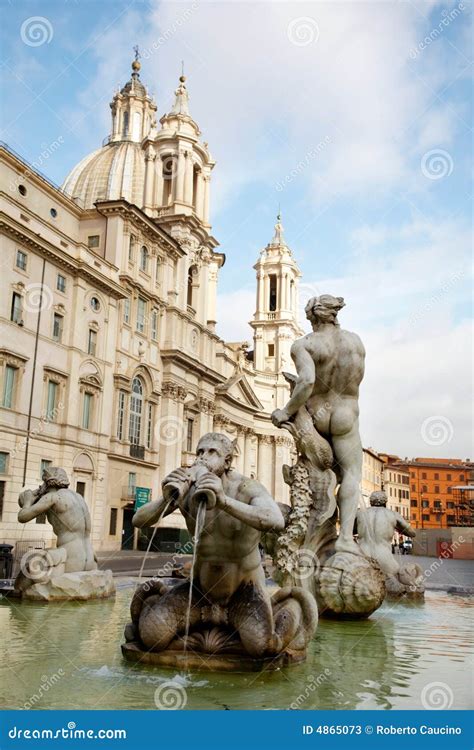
[{"x": 142, "y": 496}]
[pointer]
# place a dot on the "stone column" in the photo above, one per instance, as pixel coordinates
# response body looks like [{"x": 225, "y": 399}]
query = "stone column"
[
  {"x": 188, "y": 178},
  {"x": 212, "y": 269},
  {"x": 199, "y": 198},
  {"x": 150, "y": 157},
  {"x": 207, "y": 197},
  {"x": 264, "y": 461},
  {"x": 266, "y": 292},
  {"x": 158, "y": 192},
  {"x": 180, "y": 169}
]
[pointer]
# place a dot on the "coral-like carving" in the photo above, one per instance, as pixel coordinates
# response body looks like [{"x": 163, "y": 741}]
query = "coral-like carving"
[{"x": 349, "y": 585}]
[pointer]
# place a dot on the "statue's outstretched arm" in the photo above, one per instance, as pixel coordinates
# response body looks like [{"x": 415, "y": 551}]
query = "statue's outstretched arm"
[
  {"x": 306, "y": 372},
  {"x": 36, "y": 509},
  {"x": 151, "y": 512},
  {"x": 404, "y": 527}
]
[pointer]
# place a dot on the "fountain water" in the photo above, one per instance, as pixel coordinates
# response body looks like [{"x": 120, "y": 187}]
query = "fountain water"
[{"x": 200, "y": 520}]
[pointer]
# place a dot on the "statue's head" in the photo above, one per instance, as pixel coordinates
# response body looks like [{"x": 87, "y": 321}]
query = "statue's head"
[
  {"x": 324, "y": 309},
  {"x": 54, "y": 476},
  {"x": 216, "y": 452},
  {"x": 378, "y": 499}
]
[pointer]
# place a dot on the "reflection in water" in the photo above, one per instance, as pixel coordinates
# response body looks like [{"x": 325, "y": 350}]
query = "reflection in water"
[{"x": 68, "y": 656}]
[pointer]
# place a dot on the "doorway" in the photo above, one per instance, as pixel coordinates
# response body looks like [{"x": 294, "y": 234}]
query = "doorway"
[
  {"x": 128, "y": 529},
  {"x": 81, "y": 489}
]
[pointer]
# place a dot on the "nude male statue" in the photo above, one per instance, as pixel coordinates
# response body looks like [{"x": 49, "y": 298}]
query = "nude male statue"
[
  {"x": 375, "y": 528},
  {"x": 229, "y": 581},
  {"x": 69, "y": 516},
  {"x": 330, "y": 366}
]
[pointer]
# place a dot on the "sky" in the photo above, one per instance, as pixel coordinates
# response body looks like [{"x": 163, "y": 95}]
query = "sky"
[{"x": 354, "y": 117}]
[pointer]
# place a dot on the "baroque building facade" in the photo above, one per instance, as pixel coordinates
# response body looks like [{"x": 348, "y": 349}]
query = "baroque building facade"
[{"x": 110, "y": 363}]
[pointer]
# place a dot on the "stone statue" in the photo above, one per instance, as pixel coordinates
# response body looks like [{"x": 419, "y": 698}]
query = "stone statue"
[
  {"x": 330, "y": 366},
  {"x": 70, "y": 569},
  {"x": 230, "y": 609},
  {"x": 375, "y": 528},
  {"x": 322, "y": 416}
]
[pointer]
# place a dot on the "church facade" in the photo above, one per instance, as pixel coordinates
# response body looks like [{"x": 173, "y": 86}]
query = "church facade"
[{"x": 110, "y": 363}]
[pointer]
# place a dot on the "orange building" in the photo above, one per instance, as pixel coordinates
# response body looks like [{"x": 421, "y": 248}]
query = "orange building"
[{"x": 434, "y": 484}]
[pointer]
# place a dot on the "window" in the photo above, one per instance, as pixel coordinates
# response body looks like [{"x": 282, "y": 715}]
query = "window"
[
  {"x": 95, "y": 304},
  {"x": 272, "y": 302},
  {"x": 16, "y": 309},
  {"x": 189, "y": 435},
  {"x": 51, "y": 402},
  {"x": 450, "y": 519},
  {"x": 3, "y": 463},
  {"x": 425, "y": 517},
  {"x": 126, "y": 310},
  {"x": 436, "y": 476},
  {"x": 425, "y": 504},
  {"x": 120, "y": 414},
  {"x": 9, "y": 387},
  {"x": 157, "y": 271},
  {"x": 92, "y": 342},
  {"x": 21, "y": 258},
  {"x": 412, "y": 474},
  {"x": 132, "y": 483},
  {"x": 413, "y": 488},
  {"x": 448, "y": 477},
  {"x": 424, "y": 488},
  {"x": 61, "y": 283},
  {"x": 93, "y": 241},
  {"x": 414, "y": 503},
  {"x": 271, "y": 350},
  {"x": 53, "y": 212},
  {"x": 87, "y": 410},
  {"x": 450, "y": 506},
  {"x": 449, "y": 490},
  {"x": 141, "y": 313},
  {"x": 136, "y": 410},
  {"x": 149, "y": 427},
  {"x": 436, "y": 489},
  {"x": 2, "y": 496},
  {"x": 154, "y": 324},
  {"x": 144, "y": 259},
  {"x": 437, "y": 503},
  {"x": 57, "y": 327},
  {"x": 192, "y": 274},
  {"x": 461, "y": 477},
  {"x": 22, "y": 190},
  {"x": 113, "y": 522},
  {"x": 423, "y": 476},
  {"x": 45, "y": 462},
  {"x": 131, "y": 246},
  {"x": 125, "y": 123},
  {"x": 81, "y": 489}
]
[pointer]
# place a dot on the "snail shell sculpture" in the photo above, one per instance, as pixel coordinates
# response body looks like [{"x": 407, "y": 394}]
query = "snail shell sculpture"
[{"x": 349, "y": 586}]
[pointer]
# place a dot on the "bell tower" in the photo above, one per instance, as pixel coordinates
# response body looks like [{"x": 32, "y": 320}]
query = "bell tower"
[{"x": 275, "y": 321}]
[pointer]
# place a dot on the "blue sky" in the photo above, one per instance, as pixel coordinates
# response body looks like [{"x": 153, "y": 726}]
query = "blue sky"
[{"x": 355, "y": 117}]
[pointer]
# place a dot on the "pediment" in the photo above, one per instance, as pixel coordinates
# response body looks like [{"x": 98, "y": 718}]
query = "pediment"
[{"x": 239, "y": 389}]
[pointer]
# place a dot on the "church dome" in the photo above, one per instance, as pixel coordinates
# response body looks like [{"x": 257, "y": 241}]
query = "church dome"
[{"x": 114, "y": 171}]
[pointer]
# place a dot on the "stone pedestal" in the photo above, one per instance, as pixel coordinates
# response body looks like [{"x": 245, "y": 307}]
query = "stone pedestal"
[{"x": 89, "y": 584}]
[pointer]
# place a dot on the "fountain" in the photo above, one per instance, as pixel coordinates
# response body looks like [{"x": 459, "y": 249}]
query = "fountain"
[
  {"x": 223, "y": 618},
  {"x": 68, "y": 571}
]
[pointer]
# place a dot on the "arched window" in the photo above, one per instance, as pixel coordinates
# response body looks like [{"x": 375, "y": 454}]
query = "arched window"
[
  {"x": 125, "y": 124},
  {"x": 192, "y": 275},
  {"x": 136, "y": 412},
  {"x": 144, "y": 259}
]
